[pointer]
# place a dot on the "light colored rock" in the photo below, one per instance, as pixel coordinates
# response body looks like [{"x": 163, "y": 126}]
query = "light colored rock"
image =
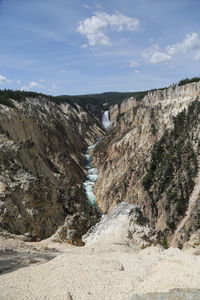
[
  {"x": 123, "y": 157},
  {"x": 124, "y": 225},
  {"x": 42, "y": 166},
  {"x": 97, "y": 273}
]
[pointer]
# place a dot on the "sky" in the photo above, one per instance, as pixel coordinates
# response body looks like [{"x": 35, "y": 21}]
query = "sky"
[{"x": 84, "y": 46}]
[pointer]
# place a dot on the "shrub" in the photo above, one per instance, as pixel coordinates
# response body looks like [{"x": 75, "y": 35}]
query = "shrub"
[{"x": 187, "y": 80}]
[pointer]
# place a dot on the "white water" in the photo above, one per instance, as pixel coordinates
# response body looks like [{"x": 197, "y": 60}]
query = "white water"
[
  {"x": 105, "y": 119},
  {"x": 93, "y": 172},
  {"x": 91, "y": 177}
]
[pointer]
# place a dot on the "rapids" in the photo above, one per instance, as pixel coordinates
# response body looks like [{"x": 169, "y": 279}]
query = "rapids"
[
  {"x": 92, "y": 173},
  {"x": 91, "y": 176}
]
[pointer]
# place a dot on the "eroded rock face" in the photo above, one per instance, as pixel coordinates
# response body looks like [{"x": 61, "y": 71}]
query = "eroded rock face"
[
  {"x": 117, "y": 111},
  {"x": 151, "y": 157},
  {"x": 42, "y": 167},
  {"x": 125, "y": 225}
]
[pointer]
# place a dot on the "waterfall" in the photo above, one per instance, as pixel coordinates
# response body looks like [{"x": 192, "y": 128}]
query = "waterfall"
[{"x": 106, "y": 120}]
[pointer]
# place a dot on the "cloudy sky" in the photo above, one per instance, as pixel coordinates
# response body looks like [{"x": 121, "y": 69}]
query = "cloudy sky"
[{"x": 86, "y": 46}]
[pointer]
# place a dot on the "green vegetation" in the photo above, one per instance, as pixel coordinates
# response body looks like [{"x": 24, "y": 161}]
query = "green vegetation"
[
  {"x": 119, "y": 116},
  {"x": 6, "y": 102},
  {"x": 164, "y": 242},
  {"x": 84, "y": 101},
  {"x": 173, "y": 164},
  {"x": 60, "y": 128},
  {"x": 103, "y": 100},
  {"x": 3, "y": 131},
  {"x": 20, "y": 96},
  {"x": 187, "y": 80}
]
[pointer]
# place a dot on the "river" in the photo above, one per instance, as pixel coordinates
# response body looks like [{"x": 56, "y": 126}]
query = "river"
[{"x": 92, "y": 173}]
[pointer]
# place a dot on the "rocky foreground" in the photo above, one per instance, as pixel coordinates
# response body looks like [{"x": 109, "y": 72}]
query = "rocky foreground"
[{"x": 110, "y": 266}]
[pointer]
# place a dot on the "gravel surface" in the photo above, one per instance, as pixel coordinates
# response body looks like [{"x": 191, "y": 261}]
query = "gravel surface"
[{"x": 101, "y": 271}]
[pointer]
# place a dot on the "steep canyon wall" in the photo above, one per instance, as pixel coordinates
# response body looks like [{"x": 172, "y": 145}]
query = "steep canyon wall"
[
  {"x": 151, "y": 157},
  {"x": 42, "y": 168}
]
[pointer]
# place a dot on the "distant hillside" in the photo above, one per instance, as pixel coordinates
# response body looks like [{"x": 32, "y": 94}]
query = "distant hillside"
[{"x": 105, "y": 99}]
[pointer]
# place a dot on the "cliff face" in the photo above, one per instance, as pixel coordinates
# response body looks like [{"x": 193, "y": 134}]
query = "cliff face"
[
  {"x": 42, "y": 168},
  {"x": 151, "y": 157}
]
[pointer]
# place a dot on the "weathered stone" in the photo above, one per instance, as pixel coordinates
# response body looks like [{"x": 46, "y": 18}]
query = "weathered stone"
[
  {"x": 125, "y": 156},
  {"x": 42, "y": 167}
]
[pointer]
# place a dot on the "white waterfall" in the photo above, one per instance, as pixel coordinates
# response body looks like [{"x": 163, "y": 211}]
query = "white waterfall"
[{"x": 105, "y": 119}]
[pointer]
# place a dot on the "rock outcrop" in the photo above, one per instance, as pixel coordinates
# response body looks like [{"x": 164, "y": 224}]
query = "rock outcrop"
[
  {"x": 124, "y": 225},
  {"x": 150, "y": 157},
  {"x": 42, "y": 168}
]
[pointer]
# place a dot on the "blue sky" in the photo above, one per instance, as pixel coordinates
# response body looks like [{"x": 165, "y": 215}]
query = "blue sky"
[{"x": 78, "y": 47}]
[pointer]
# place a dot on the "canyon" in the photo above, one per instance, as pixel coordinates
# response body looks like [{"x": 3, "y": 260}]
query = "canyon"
[
  {"x": 125, "y": 190},
  {"x": 150, "y": 157},
  {"x": 145, "y": 152},
  {"x": 42, "y": 169}
]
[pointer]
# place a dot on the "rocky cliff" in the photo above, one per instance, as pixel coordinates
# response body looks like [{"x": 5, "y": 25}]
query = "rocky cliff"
[
  {"x": 42, "y": 168},
  {"x": 151, "y": 157}
]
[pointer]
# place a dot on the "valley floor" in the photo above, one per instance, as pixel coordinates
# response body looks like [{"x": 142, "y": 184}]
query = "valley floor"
[{"x": 101, "y": 271}]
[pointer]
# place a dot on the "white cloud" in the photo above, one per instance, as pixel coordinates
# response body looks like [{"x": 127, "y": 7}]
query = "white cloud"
[
  {"x": 133, "y": 64},
  {"x": 191, "y": 41},
  {"x": 31, "y": 85},
  {"x": 4, "y": 80},
  {"x": 158, "y": 57},
  {"x": 94, "y": 28},
  {"x": 155, "y": 55}
]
